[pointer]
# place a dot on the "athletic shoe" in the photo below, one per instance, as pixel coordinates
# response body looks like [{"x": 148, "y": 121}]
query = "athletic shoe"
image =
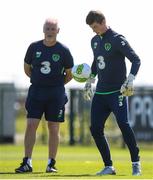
[
  {"x": 136, "y": 169},
  {"x": 51, "y": 167},
  {"x": 24, "y": 167},
  {"x": 108, "y": 170}
]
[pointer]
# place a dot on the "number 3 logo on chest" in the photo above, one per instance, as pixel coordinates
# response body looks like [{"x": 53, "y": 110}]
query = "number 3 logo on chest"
[
  {"x": 101, "y": 62},
  {"x": 45, "y": 69}
]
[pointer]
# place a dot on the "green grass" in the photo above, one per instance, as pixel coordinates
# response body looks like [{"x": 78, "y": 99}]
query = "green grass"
[{"x": 73, "y": 162}]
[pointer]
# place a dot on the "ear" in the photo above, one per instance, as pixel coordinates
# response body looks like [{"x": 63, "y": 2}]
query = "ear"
[{"x": 104, "y": 21}]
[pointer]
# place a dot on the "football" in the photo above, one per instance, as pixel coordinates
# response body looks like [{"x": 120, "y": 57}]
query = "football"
[{"x": 81, "y": 72}]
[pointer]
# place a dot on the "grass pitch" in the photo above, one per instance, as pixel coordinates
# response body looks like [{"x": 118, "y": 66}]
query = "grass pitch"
[{"x": 73, "y": 162}]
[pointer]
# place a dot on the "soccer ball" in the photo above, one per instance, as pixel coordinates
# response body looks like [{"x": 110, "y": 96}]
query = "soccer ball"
[{"x": 81, "y": 72}]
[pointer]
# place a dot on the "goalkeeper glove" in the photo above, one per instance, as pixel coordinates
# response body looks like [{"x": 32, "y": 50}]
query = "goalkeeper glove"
[
  {"x": 127, "y": 88},
  {"x": 88, "y": 91}
]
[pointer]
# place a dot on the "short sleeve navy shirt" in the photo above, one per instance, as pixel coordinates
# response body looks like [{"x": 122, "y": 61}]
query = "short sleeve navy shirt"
[{"x": 48, "y": 63}]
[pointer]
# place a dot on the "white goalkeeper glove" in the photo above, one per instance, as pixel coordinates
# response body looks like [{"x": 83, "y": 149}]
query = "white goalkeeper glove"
[
  {"x": 88, "y": 91},
  {"x": 127, "y": 88}
]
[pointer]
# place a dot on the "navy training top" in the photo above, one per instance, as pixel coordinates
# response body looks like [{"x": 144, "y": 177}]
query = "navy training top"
[
  {"x": 110, "y": 51},
  {"x": 48, "y": 63}
]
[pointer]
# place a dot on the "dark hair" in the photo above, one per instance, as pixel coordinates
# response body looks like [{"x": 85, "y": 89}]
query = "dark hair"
[{"x": 94, "y": 16}]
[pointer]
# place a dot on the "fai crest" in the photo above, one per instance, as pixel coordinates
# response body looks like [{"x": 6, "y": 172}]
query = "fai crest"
[
  {"x": 55, "y": 57},
  {"x": 107, "y": 46}
]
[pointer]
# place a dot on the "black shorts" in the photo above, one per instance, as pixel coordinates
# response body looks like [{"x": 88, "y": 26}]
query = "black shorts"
[{"x": 48, "y": 101}]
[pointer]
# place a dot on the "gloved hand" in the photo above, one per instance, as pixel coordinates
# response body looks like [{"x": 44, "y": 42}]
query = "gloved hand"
[
  {"x": 88, "y": 91},
  {"x": 127, "y": 88}
]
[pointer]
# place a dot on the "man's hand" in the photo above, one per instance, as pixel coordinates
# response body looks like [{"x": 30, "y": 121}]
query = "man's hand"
[
  {"x": 88, "y": 91},
  {"x": 127, "y": 88}
]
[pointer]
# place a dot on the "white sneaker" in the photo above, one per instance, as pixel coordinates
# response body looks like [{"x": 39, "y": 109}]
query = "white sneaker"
[
  {"x": 51, "y": 169},
  {"x": 136, "y": 169},
  {"x": 108, "y": 170}
]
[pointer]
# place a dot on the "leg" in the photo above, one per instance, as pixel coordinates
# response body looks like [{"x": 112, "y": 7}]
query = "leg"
[
  {"x": 121, "y": 113},
  {"x": 29, "y": 141},
  {"x": 99, "y": 114},
  {"x": 54, "y": 114},
  {"x": 35, "y": 111},
  {"x": 53, "y": 128},
  {"x": 30, "y": 136},
  {"x": 120, "y": 109}
]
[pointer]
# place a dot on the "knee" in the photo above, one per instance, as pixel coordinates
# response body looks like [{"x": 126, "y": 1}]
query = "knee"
[
  {"x": 53, "y": 128},
  {"x": 32, "y": 126},
  {"x": 96, "y": 131},
  {"x": 123, "y": 125}
]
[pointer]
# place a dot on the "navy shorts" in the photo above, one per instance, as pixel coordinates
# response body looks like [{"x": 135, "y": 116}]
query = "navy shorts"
[{"x": 48, "y": 101}]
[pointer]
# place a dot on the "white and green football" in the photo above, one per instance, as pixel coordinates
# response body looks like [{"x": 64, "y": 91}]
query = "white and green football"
[{"x": 81, "y": 72}]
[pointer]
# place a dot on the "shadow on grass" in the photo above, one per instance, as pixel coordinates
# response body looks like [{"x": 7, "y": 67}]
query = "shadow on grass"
[
  {"x": 43, "y": 174},
  {"x": 21, "y": 173},
  {"x": 81, "y": 175},
  {"x": 46, "y": 174}
]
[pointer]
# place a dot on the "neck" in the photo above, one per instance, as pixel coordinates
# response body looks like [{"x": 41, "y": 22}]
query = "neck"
[
  {"x": 49, "y": 43},
  {"x": 106, "y": 28}
]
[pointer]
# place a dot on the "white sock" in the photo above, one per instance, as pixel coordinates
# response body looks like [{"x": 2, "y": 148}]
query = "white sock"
[
  {"x": 49, "y": 160},
  {"x": 110, "y": 167},
  {"x": 138, "y": 162},
  {"x": 29, "y": 162}
]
